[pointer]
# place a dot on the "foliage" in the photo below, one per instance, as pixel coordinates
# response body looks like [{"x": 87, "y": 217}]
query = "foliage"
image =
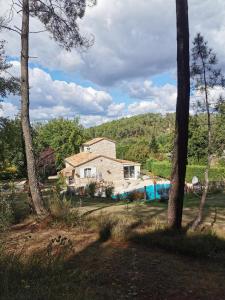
[
  {"x": 136, "y": 195},
  {"x": 134, "y": 135},
  {"x": 163, "y": 169},
  {"x": 61, "y": 20},
  {"x": 64, "y": 136},
  {"x": 197, "y": 152},
  {"x": 8, "y": 84},
  {"x": 6, "y": 214},
  {"x": 154, "y": 146},
  {"x": 12, "y": 156},
  {"x": 59, "y": 208},
  {"x": 91, "y": 189},
  {"x": 109, "y": 191}
]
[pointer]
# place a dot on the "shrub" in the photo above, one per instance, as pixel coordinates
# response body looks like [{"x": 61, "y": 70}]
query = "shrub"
[
  {"x": 109, "y": 191},
  {"x": 136, "y": 195},
  {"x": 163, "y": 169},
  {"x": 122, "y": 228},
  {"x": 59, "y": 208},
  {"x": 6, "y": 214},
  {"x": 91, "y": 189},
  {"x": 105, "y": 226},
  {"x": 116, "y": 227},
  {"x": 21, "y": 208},
  {"x": 8, "y": 173}
]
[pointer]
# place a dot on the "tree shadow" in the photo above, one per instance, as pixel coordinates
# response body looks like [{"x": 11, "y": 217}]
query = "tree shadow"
[{"x": 147, "y": 266}]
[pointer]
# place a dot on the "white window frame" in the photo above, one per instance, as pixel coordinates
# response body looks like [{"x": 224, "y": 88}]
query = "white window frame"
[
  {"x": 129, "y": 172},
  {"x": 87, "y": 172}
]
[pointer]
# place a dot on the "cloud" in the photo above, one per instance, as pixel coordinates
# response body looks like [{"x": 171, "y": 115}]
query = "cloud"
[
  {"x": 143, "y": 107},
  {"x": 115, "y": 110},
  {"x": 153, "y": 98},
  {"x": 8, "y": 109},
  {"x": 131, "y": 41},
  {"x": 45, "y": 92}
]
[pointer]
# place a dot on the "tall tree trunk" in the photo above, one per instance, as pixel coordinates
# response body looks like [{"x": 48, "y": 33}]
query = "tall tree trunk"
[
  {"x": 25, "y": 119},
  {"x": 199, "y": 217},
  {"x": 175, "y": 206}
]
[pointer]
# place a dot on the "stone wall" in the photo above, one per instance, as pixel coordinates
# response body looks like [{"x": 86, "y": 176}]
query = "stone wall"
[{"x": 103, "y": 147}]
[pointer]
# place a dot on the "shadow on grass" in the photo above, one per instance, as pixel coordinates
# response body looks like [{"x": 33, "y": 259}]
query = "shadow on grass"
[
  {"x": 112, "y": 270},
  {"x": 200, "y": 245}
]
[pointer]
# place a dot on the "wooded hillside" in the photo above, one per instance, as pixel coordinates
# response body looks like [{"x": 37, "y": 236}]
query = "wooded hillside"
[{"x": 151, "y": 135}]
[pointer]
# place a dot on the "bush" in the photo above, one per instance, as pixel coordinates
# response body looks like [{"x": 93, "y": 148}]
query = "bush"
[
  {"x": 105, "y": 226},
  {"x": 8, "y": 173},
  {"x": 6, "y": 214},
  {"x": 109, "y": 191},
  {"x": 133, "y": 196},
  {"x": 116, "y": 227},
  {"x": 91, "y": 189},
  {"x": 59, "y": 208},
  {"x": 163, "y": 169}
]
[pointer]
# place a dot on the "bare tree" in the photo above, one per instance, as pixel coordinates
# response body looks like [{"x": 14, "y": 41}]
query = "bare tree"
[
  {"x": 59, "y": 17},
  {"x": 206, "y": 76},
  {"x": 175, "y": 207}
]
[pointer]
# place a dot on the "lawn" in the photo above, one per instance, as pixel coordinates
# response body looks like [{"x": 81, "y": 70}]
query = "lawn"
[
  {"x": 215, "y": 207},
  {"x": 117, "y": 250}
]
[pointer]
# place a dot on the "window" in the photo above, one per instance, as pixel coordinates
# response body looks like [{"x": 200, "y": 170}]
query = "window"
[
  {"x": 71, "y": 180},
  {"x": 129, "y": 172},
  {"x": 87, "y": 173}
]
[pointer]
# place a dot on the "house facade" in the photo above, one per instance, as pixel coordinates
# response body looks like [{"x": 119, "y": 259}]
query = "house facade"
[{"x": 97, "y": 162}]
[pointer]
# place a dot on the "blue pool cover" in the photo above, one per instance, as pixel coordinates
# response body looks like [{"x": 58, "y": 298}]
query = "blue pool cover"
[{"x": 157, "y": 191}]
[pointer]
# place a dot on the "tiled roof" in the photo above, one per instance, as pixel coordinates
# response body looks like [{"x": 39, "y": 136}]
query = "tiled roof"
[
  {"x": 96, "y": 140},
  {"x": 83, "y": 157},
  {"x": 80, "y": 158}
]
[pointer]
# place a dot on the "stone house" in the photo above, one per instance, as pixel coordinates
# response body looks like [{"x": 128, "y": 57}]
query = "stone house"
[{"x": 97, "y": 162}]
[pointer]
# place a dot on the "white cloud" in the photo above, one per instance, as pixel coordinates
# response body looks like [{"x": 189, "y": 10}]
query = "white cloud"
[
  {"x": 115, "y": 110},
  {"x": 8, "y": 109},
  {"x": 46, "y": 92},
  {"x": 131, "y": 40},
  {"x": 153, "y": 98},
  {"x": 143, "y": 107}
]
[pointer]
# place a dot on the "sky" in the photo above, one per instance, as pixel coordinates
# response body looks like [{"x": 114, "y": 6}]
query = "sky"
[{"x": 129, "y": 70}]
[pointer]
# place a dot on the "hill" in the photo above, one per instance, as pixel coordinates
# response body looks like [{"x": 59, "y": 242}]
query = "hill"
[{"x": 139, "y": 137}]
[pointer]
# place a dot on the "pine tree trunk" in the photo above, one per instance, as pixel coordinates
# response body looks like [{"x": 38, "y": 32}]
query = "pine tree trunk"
[
  {"x": 199, "y": 217},
  {"x": 25, "y": 119},
  {"x": 175, "y": 206}
]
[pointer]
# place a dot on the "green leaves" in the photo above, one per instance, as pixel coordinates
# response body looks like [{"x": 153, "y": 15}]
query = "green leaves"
[{"x": 64, "y": 136}]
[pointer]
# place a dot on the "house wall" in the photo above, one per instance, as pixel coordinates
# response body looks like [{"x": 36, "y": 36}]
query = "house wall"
[
  {"x": 103, "y": 147},
  {"x": 102, "y": 168}
]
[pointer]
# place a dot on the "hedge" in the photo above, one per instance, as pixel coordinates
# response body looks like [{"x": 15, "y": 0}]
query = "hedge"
[
  {"x": 8, "y": 173},
  {"x": 163, "y": 169}
]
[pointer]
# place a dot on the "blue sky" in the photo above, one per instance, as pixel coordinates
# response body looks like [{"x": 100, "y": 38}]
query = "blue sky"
[{"x": 130, "y": 69}]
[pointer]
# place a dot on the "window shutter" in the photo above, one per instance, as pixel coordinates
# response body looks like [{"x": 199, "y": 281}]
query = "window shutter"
[
  {"x": 93, "y": 172},
  {"x": 81, "y": 173}
]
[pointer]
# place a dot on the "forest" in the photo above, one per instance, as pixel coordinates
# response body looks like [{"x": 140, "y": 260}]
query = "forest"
[{"x": 138, "y": 138}]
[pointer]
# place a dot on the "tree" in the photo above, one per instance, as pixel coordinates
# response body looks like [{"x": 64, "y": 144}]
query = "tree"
[
  {"x": 175, "y": 206},
  {"x": 206, "y": 77},
  {"x": 59, "y": 17},
  {"x": 11, "y": 145},
  {"x": 8, "y": 83},
  {"x": 197, "y": 144},
  {"x": 64, "y": 136},
  {"x": 154, "y": 146}
]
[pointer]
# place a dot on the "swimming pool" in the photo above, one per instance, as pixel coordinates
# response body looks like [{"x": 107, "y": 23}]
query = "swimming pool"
[{"x": 158, "y": 191}]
